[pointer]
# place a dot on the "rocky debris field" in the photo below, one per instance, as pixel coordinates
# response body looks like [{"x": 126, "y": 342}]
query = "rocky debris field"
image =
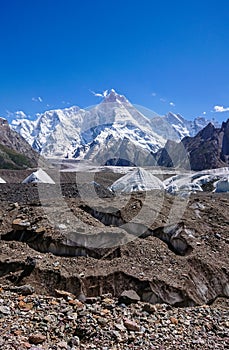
[
  {"x": 62, "y": 282},
  {"x": 39, "y": 322}
]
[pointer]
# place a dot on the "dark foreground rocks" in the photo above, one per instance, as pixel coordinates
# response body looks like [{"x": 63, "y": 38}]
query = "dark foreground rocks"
[{"x": 39, "y": 322}]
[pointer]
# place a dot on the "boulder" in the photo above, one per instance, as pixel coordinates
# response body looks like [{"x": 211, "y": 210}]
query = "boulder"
[{"x": 128, "y": 297}]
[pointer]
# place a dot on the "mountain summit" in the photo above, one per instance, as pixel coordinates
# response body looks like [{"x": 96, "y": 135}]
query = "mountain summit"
[{"x": 114, "y": 97}]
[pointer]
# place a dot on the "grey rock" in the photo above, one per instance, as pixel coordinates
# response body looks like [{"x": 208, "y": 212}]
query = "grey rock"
[
  {"x": 27, "y": 289},
  {"x": 5, "y": 310},
  {"x": 129, "y": 296},
  {"x": 120, "y": 327},
  {"x": 74, "y": 341},
  {"x": 62, "y": 345}
]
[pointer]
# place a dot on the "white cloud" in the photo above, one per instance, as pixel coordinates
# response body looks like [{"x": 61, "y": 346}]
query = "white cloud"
[
  {"x": 163, "y": 100},
  {"x": 154, "y": 94},
  {"x": 220, "y": 109},
  {"x": 100, "y": 94},
  {"x": 172, "y": 104},
  {"x": 204, "y": 113},
  {"x": 37, "y": 99}
]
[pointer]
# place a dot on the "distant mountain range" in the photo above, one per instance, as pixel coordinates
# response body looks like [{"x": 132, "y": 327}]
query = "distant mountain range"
[
  {"x": 15, "y": 152},
  {"x": 112, "y": 132}
]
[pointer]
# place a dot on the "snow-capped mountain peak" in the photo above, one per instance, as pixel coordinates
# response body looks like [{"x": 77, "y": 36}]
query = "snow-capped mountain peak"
[{"x": 114, "y": 97}]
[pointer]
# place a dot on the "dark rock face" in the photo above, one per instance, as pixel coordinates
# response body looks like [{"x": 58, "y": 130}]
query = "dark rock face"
[
  {"x": 209, "y": 149},
  {"x": 173, "y": 155},
  {"x": 225, "y": 143},
  {"x": 15, "y": 152},
  {"x": 118, "y": 162},
  {"x": 204, "y": 149}
]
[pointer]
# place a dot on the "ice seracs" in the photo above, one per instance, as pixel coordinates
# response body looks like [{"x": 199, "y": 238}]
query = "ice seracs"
[
  {"x": 39, "y": 176},
  {"x": 137, "y": 180},
  {"x": 222, "y": 185},
  {"x": 196, "y": 181},
  {"x": 2, "y": 181}
]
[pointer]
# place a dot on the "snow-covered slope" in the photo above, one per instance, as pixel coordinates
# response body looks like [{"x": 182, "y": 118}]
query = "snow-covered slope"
[{"x": 53, "y": 132}]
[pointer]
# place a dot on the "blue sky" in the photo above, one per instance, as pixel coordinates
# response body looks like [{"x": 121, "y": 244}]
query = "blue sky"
[{"x": 164, "y": 55}]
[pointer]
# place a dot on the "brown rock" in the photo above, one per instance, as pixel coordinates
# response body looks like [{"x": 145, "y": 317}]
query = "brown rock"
[
  {"x": 17, "y": 332},
  {"x": 174, "y": 320},
  {"x": 131, "y": 325},
  {"x": 108, "y": 301},
  {"x": 40, "y": 230},
  {"x": 76, "y": 303},
  {"x": 151, "y": 309},
  {"x": 37, "y": 338},
  {"x": 64, "y": 294},
  {"x": 20, "y": 225},
  {"x": 25, "y": 306}
]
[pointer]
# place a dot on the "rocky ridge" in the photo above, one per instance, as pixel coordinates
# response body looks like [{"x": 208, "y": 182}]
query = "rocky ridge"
[
  {"x": 15, "y": 152},
  {"x": 209, "y": 149}
]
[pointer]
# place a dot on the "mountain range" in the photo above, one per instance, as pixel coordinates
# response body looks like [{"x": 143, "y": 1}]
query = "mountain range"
[{"x": 112, "y": 132}]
